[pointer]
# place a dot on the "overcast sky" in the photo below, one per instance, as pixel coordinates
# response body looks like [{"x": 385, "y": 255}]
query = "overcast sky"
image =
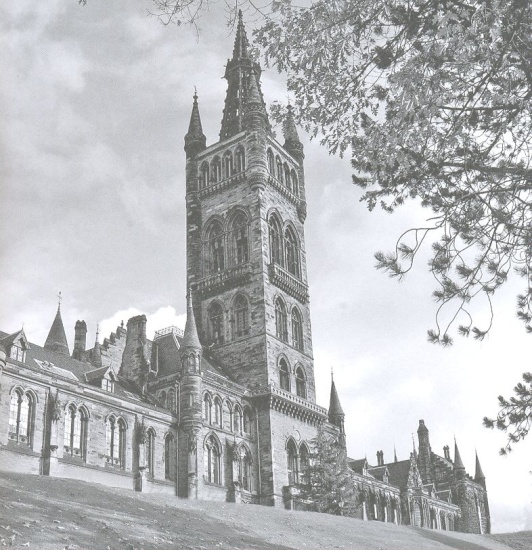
[{"x": 95, "y": 105}]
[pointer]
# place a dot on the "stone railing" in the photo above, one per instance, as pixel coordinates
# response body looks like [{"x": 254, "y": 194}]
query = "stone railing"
[
  {"x": 168, "y": 330},
  {"x": 230, "y": 277},
  {"x": 215, "y": 187},
  {"x": 287, "y": 282}
]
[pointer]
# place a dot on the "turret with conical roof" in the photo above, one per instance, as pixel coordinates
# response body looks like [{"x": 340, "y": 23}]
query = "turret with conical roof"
[
  {"x": 336, "y": 413},
  {"x": 195, "y": 140},
  {"x": 57, "y": 340},
  {"x": 458, "y": 466},
  {"x": 479, "y": 474},
  {"x": 96, "y": 354}
]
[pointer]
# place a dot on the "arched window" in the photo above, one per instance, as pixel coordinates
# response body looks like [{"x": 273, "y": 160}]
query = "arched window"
[
  {"x": 204, "y": 175},
  {"x": 216, "y": 169},
  {"x": 218, "y": 419},
  {"x": 276, "y": 250},
  {"x": 115, "y": 438},
  {"x": 295, "y": 184},
  {"x": 240, "y": 239},
  {"x": 240, "y": 158},
  {"x": 279, "y": 165},
  {"x": 228, "y": 164},
  {"x": 172, "y": 400},
  {"x": 247, "y": 421},
  {"x": 271, "y": 162},
  {"x": 280, "y": 320},
  {"x": 287, "y": 180},
  {"x": 216, "y": 316},
  {"x": 291, "y": 452},
  {"x": 304, "y": 465},
  {"x": 207, "y": 408},
  {"x": 150, "y": 452},
  {"x": 301, "y": 383},
  {"x": 237, "y": 420},
  {"x": 75, "y": 432},
  {"x": 162, "y": 398},
  {"x": 21, "y": 417},
  {"x": 244, "y": 468},
  {"x": 212, "y": 456},
  {"x": 284, "y": 375},
  {"x": 241, "y": 316},
  {"x": 215, "y": 248},
  {"x": 292, "y": 253},
  {"x": 169, "y": 457},
  {"x": 297, "y": 329}
]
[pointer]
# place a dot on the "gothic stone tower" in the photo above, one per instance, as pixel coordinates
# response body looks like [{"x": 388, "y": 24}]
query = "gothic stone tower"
[{"x": 246, "y": 267}]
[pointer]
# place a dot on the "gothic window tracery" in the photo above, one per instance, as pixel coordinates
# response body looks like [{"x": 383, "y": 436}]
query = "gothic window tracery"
[
  {"x": 244, "y": 468},
  {"x": 240, "y": 239},
  {"x": 271, "y": 162},
  {"x": 301, "y": 383},
  {"x": 279, "y": 166},
  {"x": 150, "y": 452},
  {"x": 216, "y": 170},
  {"x": 21, "y": 411},
  {"x": 171, "y": 400},
  {"x": 207, "y": 408},
  {"x": 304, "y": 465},
  {"x": 292, "y": 253},
  {"x": 280, "y": 320},
  {"x": 284, "y": 375},
  {"x": 212, "y": 458},
  {"x": 216, "y": 323},
  {"x": 75, "y": 431},
  {"x": 215, "y": 248},
  {"x": 241, "y": 316},
  {"x": 218, "y": 419},
  {"x": 297, "y": 329},
  {"x": 295, "y": 184},
  {"x": 276, "y": 249},
  {"x": 204, "y": 175},
  {"x": 169, "y": 457},
  {"x": 115, "y": 439},
  {"x": 291, "y": 453},
  {"x": 287, "y": 179},
  {"x": 240, "y": 158},
  {"x": 228, "y": 165},
  {"x": 162, "y": 398},
  {"x": 237, "y": 420}
]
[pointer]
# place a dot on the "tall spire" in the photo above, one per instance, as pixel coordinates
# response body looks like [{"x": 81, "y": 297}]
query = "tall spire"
[
  {"x": 56, "y": 340},
  {"x": 195, "y": 140},
  {"x": 242, "y": 75},
  {"x": 292, "y": 142},
  {"x": 96, "y": 356},
  {"x": 335, "y": 409},
  {"x": 479, "y": 474},
  {"x": 190, "y": 336}
]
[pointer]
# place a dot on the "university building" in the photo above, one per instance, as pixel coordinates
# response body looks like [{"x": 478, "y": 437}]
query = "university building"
[{"x": 226, "y": 409}]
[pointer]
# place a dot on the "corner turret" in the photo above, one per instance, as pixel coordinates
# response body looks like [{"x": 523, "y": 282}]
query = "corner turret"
[
  {"x": 458, "y": 467},
  {"x": 480, "y": 478},
  {"x": 96, "y": 354},
  {"x": 57, "y": 340},
  {"x": 195, "y": 140},
  {"x": 425, "y": 453}
]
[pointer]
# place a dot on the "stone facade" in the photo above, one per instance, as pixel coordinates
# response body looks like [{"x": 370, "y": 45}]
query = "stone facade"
[{"x": 226, "y": 409}]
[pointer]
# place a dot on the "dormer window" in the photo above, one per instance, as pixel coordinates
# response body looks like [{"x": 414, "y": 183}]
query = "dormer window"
[
  {"x": 18, "y": 353},
  {"x": 107, "y": 385}
]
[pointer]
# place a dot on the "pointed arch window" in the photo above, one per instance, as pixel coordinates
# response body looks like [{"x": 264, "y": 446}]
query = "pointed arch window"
[
  {"x": 304, "y": 465},
  {"x": 207, "y": 408},
  {"x": 240, "y": 239},
  {"x": 228, "y": 165},
  {"x": 297, "y": 329},
  {"x": 247, "y": 421},
  {"x": 216, "y": 170},
  {"x": 291, "y": 452},
  {"x": 216, "y": 315},
  {"x": 295, "y": 184},
  {"x": 215, "y": 248},
  {"x": 301, "y": 383},
  {"x": 115, "y": 438},
  {"x": 279, "y": 165},
  {"x": 204, "y": 175},
  {"x": 292, "y": 253},
  {"x": 172, "y": 400},
  {"x": 271, "y": 162},
  {"x": 280, "y": 320},
  {"x": 213, "y": 463},
  {"x": 241, "y": 316},
  {"x": 237, "y": 421},
  {"x": 150, "y": 452},
  {"x": 240, "y": 158},
  {"x": 169, "y": 457},
  {"x": 244, "y": 468},
  {"x": 21, "y": 411},
  {"x": 276, "y": 250},
  {"x": 162, "y": 398},
  {"x": 284, "y": 375},
  {"x": 287, "y": 179},
  {"x": 218, "y": 419},
  {"x": 75, "y": 431}
]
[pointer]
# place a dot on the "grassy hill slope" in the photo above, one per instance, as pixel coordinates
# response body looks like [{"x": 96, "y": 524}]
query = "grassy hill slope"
[{"x": 49, "y": 513}]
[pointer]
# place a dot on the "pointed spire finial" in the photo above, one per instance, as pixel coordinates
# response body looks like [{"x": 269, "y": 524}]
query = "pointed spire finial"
[
  {"x": 458, "y": 464},
  {"x": 195, "y": 140},
  {"x": 394, "y": 454},
  {"x": 190, "y": 335},
  {"x": 479, "y": 474},
  {"x": 56, "y": 340},
  {"x": 59, "y": 298}
]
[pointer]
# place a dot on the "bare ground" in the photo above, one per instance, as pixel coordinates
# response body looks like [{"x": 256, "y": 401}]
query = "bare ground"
[{"x": 57, "y": 514}]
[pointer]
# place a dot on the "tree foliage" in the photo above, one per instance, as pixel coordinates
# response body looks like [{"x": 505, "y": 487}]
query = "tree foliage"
[
  {"x": 515, "y": 415},
  {"x": 329, "y": 484}
]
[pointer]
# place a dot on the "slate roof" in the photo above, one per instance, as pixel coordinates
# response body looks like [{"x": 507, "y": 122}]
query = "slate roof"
[
  {"x": 377, "y": 472},
  {"x": 357, "y": 465},
  {"x": 57, "y": 340},
  {"x": 398, "y": 473},
  {"x": 335, "y": 409}
]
